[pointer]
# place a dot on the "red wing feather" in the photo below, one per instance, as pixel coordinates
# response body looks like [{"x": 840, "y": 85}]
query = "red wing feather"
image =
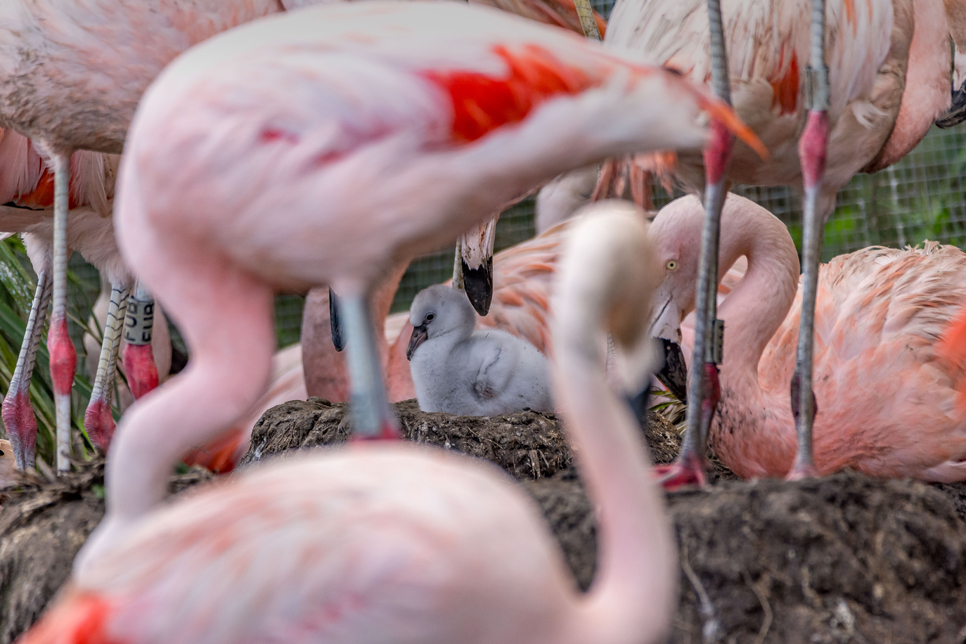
[{"x": 483, "y": 103}]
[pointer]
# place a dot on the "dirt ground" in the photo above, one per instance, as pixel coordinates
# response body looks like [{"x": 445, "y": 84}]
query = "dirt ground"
[{"x": 842, "y": 559}]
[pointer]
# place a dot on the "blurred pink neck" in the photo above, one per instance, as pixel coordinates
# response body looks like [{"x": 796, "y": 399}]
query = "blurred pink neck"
[{"x": 634, "y": 539}]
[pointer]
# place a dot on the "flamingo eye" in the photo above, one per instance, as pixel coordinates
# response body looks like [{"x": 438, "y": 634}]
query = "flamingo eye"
[
  {"x": 430, "y": 317},
  {"x": 671, "y": 265}
]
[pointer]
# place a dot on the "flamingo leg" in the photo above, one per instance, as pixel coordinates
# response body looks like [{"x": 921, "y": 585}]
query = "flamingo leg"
[
  {"x": 142, "y": 372},
  {"x": 812, "y": 152},
  {"x": 98, "y": 419},
  {"x": 372, "y": 417},
  {"x": 63, "y": 356},
  {"x": 703, "y": 390},
  {"x": 18, "y": 413}
]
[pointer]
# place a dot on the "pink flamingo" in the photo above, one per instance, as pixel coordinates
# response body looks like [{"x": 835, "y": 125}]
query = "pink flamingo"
[
  {"x": 289, "y": 113},
  {"x": 886, "y": 83},
  {"x": 886, "y": 394},
  {"x": 29, "y": 197},
  {"x": 84, "y": 95},
  {"x": 395, "y": 542}
]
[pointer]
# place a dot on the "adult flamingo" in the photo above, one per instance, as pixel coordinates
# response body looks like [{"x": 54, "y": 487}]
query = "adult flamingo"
[
  {"x": 887, "y": 82},
  {"x": 83, "y": 93},
  {"x": 397, "y": 542},
  {"x": 276, "y": 114},
  {"x": 887, "y": 394},
  {"x": 28, "y": 195}
]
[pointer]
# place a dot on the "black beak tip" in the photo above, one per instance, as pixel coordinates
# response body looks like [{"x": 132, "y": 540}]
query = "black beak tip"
[
  {"x": 957, "y": 111},
  {"x": 674, "y": 374},
  {"x": 478, "y": 284},
  {"x": 417, "y": 338},
  {"x": 335, "y": 323}
]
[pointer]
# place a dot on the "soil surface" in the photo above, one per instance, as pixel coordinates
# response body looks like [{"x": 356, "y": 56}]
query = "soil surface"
[{"x": 841, "y": 559}]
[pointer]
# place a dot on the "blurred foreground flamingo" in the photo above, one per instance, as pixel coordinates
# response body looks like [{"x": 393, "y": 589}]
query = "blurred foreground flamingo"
[
  {"x": 886, "y": 392},
  {"x": 395, "y": 542},
  {"x": 83, "y": 96},
  {"x": 239, "y": 142},
  {"x": 887, "y": 81}
]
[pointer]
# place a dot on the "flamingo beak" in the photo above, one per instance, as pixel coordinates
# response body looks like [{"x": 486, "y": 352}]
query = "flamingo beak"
[
  {"x": 476, "y": 265},
  {"x": 335, "y": 324},
  {"x": 674, "y": 374},
  {"x": 417, "y": 338},
  {"x": 956, "y": 113},
  {"x": 666, "y": 326},
  {"x": 478, "y": 283},
  {"x": 666, "y": 319}
]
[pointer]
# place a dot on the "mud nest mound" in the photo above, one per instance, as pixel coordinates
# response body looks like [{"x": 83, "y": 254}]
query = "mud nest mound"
[
  {"x": 42, "y": 526},
  {"x": 528, "y": 445},
  {"x": 842, "y": 559}
]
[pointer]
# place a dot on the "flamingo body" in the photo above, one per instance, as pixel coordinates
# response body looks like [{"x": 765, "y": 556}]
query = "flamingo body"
[
  {"x": 889, "y": 72},
  {"x": 81, "y": 64},
  {"x": 887, "y": 397},
  {"x": 371, "y": 559}
]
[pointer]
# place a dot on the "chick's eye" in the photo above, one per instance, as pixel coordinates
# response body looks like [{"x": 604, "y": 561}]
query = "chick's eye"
[
  {"x": 671, "y": 265},
  {"x": 430, "y": 317}
]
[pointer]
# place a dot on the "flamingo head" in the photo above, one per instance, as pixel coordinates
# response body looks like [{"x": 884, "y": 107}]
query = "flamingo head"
[
  {"x": 612, "y": 237},
  {"x": 436, "y": 311}
]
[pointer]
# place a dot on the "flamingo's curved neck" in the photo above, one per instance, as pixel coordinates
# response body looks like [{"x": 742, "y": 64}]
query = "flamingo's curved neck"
[
  {"x": 759, "y": 303},
  {"x": 635, "y": 545}
]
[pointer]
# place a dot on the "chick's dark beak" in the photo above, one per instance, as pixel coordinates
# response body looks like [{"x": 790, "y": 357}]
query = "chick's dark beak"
[
  {"x": 956, "y": 113},
  {"x": 674, "y": 374},
  {"x": 417, "y": 338},
  {"x": 478, "y": 284}
]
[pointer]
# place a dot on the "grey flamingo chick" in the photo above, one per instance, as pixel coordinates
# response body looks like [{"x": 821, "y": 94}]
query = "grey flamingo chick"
[{"x": 459, "y": 371}]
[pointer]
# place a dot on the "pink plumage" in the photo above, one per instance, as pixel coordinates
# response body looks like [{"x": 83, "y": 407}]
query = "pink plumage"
[
  {"x": 886, "y": 388},
  {"x": 889, "y": 72}
]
